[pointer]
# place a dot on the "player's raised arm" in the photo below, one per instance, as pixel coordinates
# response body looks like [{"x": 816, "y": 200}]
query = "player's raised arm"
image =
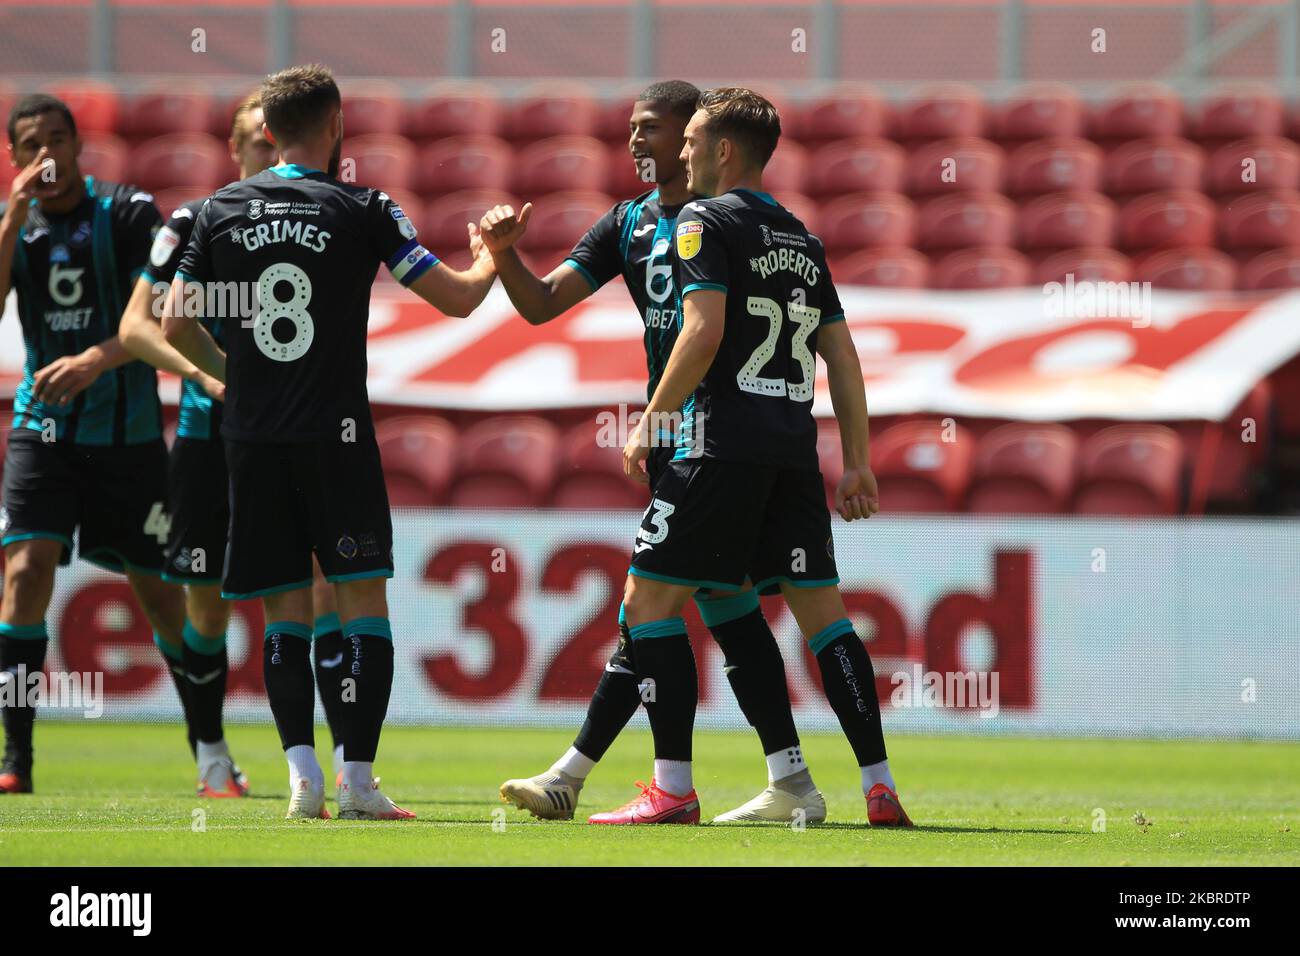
[
  {"x": 449, "y": 291},
  {"x": 535, "y": 298},
  {"x": 141, "y": 335},
  {"x": 27, "y": 185},
  {"x": 857, "y": 495},
  {"x": 185, "y": 303}
]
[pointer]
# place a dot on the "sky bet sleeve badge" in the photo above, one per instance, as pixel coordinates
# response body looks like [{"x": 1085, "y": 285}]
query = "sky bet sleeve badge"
[{"x": 690, "y": 236}]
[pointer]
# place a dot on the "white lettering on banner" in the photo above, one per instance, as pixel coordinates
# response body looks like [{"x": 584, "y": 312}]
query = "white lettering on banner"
[
  {"x": 1000, "y": 354},
  {"x": 1008, "y": 615}
]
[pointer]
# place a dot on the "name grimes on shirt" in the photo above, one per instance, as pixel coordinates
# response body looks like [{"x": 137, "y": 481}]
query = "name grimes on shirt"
[
  {"x": 786, "y": 260},
  {"x": 305, "y": 234}
]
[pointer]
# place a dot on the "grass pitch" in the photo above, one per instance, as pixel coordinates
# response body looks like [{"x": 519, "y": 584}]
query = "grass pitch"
[{"x": 121, "y": 794}]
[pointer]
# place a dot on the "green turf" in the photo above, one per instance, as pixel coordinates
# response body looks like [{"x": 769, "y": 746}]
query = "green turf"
[{"x": 117, "y": 794}]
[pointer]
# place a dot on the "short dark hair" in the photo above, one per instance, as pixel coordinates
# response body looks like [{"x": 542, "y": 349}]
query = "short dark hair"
[
  {"x": 297, "y": 102},
  {"x": 681, "y": 98},
  {"x": 745, "y": 118},
  {"x": 249, "y": 103},
  {"x": 36, "y": 104}
]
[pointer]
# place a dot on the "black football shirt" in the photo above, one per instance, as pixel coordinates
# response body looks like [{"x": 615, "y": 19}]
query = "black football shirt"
[
  {"x": 755, "y": 403},
  {"x": 301, "y": 250}
]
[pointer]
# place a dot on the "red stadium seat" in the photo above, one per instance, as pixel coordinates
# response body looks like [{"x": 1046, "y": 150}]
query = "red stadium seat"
[
  {"x": 1166, "y": 220},
  {"x": 1151, "y": 165},
  {"x": 1040, "y": 112},
  {"x": 1130, "y": 470},
  {"x": 1054, "y": 165},
  {"x": 1286, "y": 399},
  {"x": 1024, "y": 469},
  {"x": 561, "y": 163},
  {"x": 802, "y": 208},
  {"x": 613, "y": 120},
  {"x": 419, "y": 455},
  {"x": 463, "y": 109},
  {"x": 372, "y": 108},
  {"x": 1225, "y": 461},
  {"x": 1098, "y": 264},
  {"x": 560, "y": 219},
  {"x": 898, "y": 267},
  {"x": 1253, "y": 165},
  {"x": 941, "y": 113},
  {"x": 623, "y": 174},
  {"x": 955, "y": 165},
  {"x": 863, "y": 220},
  {"x": 1192, "y": 270},
  {"x": 592, "y": 476},
  {"x": 982, "y": 267},
  {"x": 463, "y": 162},
  {"x": 171, "y": 109},
  {"x": 1254, "y": 111},
  {"x": 96, "y": 107},
  {"x": 1276, "y": 269},
  {"x": 509, "y": 461},
  {"x": 846, "y": 112},
  {"x": 103, "y": 156},
  {"x": 1261, "y": 220},
  {"x": 1067, "y": 220},
  {"x": 918, "y": 470},
  {"x": 856, "y": 165},
  {"x": 169, "y": 200},
  {"x": 559, "y": 110},
  {"x": 443, "y": 225},
  {"x": 182, "y": 160},
  {"x": 382, "y": 161},
  {"x": 1142, "y": 111},
  {"x": 786, "y": 170},
  {"x": 966, "y": 219}
]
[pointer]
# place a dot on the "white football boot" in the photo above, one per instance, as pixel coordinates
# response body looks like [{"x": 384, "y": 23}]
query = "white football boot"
[
  {"x": 775, "y": 805},
  {"x": 552, "y": 795},
  {"x": 307, "y": 803},
  {"x": 368, "y": 803}
]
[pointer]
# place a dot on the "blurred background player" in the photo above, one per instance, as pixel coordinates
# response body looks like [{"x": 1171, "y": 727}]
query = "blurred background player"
[
  {"x": 198, "y": 505},
  {"x": 634, "y": 240},
  {"x": 86, "y": 453},
  {"x": 757, "y": 301},
  {"x": 305, "y": 472}
]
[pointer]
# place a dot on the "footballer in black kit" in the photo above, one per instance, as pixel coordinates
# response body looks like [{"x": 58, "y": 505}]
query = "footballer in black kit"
[
  {"x": 760, "y": 498},
  {"x": 86, "y": 454},
  {"x": 757, "y": 306},
  {"x": 287, "y": 259}
]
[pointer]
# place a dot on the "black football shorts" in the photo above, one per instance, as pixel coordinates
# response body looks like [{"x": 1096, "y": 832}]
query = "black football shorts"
[{"x": 198, "y": 504}]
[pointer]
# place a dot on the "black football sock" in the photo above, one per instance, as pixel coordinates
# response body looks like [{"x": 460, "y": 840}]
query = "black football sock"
[
  {"x": 328, "y": 647},
  {"x": 368, "y": 664},
  {"x": 614, "y": 702},
  {"x": 756, "y": 672},
  {"x": 22, "y": 653},
  {"x": 849, "y": 682},
  {"x": 286, "y": 669},
  {"x": 174, "y": 658},
  {"x": 206, "y": 667},
  {"x": 669, "y": 687}
]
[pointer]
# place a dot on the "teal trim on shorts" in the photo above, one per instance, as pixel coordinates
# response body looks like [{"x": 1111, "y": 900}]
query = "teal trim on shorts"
[
  {"x": 819, "y": 641},
  {"x": 187, "y": 579},
  {"x": 292, "y": 628},
  {"x": 169, "y": 652},
  {"x": 117, "y": 563},
  {"x": 36, "y": 536},
  {"x": 25, "y": 632},
  {"x": 722, "y": 610},
  {"x": 200, "y": 643},
  {"x": 782, "y": 579},
  {"x": 369, "y": 627},
  {"x": 278, "y": 589},
  {"x": 708, "y": 585},
  {"x": 667, "y": 627},
  {"x": 359, "y": 576},
  {"x": 326, "y": 624}
]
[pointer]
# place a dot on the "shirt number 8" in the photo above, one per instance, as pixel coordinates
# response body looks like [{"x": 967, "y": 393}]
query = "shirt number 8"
[{"x": 295, "y": 310}]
